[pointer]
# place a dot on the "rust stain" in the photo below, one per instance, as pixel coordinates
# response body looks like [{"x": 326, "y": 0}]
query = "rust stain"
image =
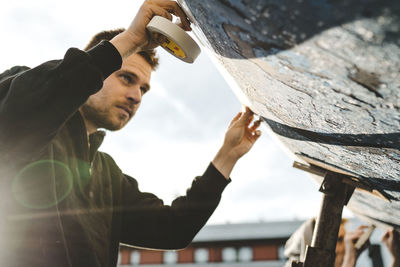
[
  {"x": 368, "y": 80},
  {"x": 246, "y": 46}
]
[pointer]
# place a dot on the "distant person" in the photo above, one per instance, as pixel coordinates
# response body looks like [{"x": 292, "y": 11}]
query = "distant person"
[
  {"x": 391, "y": 239},
  {"x": 350, "y": 252},
  {"x": 64, "y": 203},
  {"x": 346, "y": 253}
]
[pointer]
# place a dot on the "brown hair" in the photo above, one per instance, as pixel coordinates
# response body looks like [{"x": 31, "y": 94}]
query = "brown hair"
[{"x": 149, "y": 55}]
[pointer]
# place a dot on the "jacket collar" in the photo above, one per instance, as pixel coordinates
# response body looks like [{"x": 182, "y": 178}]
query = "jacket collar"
[{"x": 77, "y": 126}]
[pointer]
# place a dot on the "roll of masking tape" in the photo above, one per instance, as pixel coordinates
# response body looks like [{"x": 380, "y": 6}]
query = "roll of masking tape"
[{"x": 177, "y": 42}]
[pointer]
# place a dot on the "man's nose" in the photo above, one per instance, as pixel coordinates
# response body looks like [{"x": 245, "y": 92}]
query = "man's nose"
[{"x": 134, "y": 94}]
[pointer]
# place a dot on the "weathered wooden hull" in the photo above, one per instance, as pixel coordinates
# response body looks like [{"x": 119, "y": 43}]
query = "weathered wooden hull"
[{"x": 324, "y": 75}]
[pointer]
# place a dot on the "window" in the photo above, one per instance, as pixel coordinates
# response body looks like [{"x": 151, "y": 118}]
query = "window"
[
  {"x": 201, "y": 255},
  {"x": 245, "y": 254},
  {"x": 229, "y": 254},
  {"x": 135, "y": 257},
  {"x": 170, "y": 257},
  {"x": 281, "y": 252}
]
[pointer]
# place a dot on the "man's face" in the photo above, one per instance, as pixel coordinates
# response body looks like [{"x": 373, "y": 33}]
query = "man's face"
[{"x": 116, "y": 103}]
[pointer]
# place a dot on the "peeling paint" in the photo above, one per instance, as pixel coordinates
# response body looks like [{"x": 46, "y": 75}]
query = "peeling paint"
[{"x": 324, "y": 75}]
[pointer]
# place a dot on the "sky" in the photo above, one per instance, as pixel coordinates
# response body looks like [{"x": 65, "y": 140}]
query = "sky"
[{"x": 181, "y": 122}]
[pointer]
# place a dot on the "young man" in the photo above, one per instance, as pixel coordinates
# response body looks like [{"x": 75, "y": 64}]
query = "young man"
[
  {"x": 345, "y": 253},
  {"x": 391, "y": 239},
  {"x": 63, "y": 203}
]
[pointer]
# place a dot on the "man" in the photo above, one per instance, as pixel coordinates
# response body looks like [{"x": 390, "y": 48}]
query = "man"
[
  {"x": 63, "y": 203},
  {"x": 346, "y": 253},
  {"x": 391, "y": 239}
]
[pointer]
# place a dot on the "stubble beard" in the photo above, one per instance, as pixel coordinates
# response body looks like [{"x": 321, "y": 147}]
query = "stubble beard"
[{"x": 100, "y": 118}]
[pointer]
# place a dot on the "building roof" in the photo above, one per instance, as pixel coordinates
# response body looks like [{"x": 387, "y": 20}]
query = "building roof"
[{"x": 247, "y": 231}]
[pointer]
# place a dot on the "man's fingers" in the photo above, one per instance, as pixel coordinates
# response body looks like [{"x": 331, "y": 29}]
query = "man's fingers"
[
  {"x": 243, "y": 120},
  {"x": 180, "y": 24},
  {"x": 248, "y": 110},
  {"x": 255, "y": 135},
  {"x": 255, "y": 125},
  {"x": 249, "y": 120},
  {"x": 236, "y": 118},
  {"x": 184, "y": 21},
  {"x": 247, "y": 117},
  {"x": 161, "y": 39},
  {"x": 253, "y": 129},
  {"x": 173, "y": 8},
  {"x": 159, "y": 11}
]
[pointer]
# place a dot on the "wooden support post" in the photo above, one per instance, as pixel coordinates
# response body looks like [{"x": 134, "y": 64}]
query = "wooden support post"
[{"x": 321, "y": 253}]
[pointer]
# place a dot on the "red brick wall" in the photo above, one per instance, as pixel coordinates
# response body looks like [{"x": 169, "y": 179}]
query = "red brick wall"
[
  {"x": 186, "y": 255},
  {"x": 260, "y": 253},
  {"x": 265, "y": 252},
  {"x": 151, "y": 257},
  {"x": 214, "y": 254},
  {"x": 125, "y": 256}
]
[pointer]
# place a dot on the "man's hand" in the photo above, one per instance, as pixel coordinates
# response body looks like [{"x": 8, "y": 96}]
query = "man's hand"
[
  {"x": 136, "y": 38},
  {"x": 392, "y": 241},
  {"x": 351, "y": 253},
  {"x": 239, "y": 139}
]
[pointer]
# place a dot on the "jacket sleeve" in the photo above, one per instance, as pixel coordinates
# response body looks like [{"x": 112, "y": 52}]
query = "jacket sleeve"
[
  {"x": 148, "y": 223},
  {"x": 35, "y": 103}
]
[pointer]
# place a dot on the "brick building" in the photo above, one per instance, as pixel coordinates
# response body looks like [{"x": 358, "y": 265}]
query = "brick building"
[{"x": 236, "y": 245}]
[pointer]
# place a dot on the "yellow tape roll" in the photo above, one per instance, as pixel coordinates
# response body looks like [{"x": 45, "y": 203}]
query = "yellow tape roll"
[{"x": 178, "y": 42}]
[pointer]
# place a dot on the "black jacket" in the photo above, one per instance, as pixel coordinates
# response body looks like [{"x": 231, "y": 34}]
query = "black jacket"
[{"x": 64, "y": 204}]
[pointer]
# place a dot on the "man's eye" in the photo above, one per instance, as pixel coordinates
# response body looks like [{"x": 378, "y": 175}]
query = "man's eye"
[
  {"x": 143, "y": 89},
  {"x": 126, "y": 78}
]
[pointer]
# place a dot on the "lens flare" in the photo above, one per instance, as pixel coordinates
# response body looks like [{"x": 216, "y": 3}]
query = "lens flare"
[{"x": 42, "y": 184}]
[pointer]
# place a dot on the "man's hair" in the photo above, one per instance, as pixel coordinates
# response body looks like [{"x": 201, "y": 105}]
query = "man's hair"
[{"x": 149, "y": 55}]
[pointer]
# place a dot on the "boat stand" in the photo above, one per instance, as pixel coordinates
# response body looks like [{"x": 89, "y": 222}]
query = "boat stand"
[{"x": 337, "y": 187}]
